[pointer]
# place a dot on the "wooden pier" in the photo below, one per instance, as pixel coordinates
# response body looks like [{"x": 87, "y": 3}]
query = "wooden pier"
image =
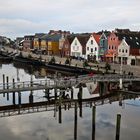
[{"x": 60, "y": 83}]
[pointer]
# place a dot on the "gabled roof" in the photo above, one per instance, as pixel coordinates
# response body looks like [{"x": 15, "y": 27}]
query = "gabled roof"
[
  {"x": 96, "y": 37},
  {"x": 70, "y": 38},
  {"x": 132, "y": 39},
  {"x": 54, "y": 37},
  {"x": 83, "y": 39},
  {"x": 39, "y": 35}
]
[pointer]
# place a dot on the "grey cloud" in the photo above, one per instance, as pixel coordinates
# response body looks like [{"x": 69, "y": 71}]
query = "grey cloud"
[{"x": 30, "y": 16}]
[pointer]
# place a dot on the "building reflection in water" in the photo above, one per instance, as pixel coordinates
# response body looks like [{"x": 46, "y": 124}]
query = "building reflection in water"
[{"x": 100, "y": 94}]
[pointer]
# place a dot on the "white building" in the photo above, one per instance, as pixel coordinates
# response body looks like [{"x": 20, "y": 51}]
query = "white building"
[
  {"x": 92, "y": 47},
  {"x": 78, "y": 46},
  {"x": 123, "y": 52}
]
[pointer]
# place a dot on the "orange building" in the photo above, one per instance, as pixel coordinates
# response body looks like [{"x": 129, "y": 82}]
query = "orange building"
[{"x": 113, "y": 43}]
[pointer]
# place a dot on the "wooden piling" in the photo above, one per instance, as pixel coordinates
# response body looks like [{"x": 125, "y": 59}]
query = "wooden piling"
[
  {"x": 14, "y": 102},
  {"x": 93, "y": 122},
  {"x": 31, "y": 98},
  {"x": 19, "y": 98},
  {"x": 60, "y": 114},
  {"x": 3, "y": 81},
  {"x": 118, "y": 123},
  {"x": 75, "y": 122},
  {"x": 3, "y": 84},
  {"x": 71, "y": 93},
  {"x": 7, "y": 83},
  {"x": 55, "y": 92},
  {"x": 80, "y": 109}
]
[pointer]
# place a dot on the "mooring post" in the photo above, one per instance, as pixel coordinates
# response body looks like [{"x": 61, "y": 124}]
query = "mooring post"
[
  {"x": 31, "y": 97},
  {"x": 55, "y": 92},
  {"x": 101, "y": 88},
  {"x": 118, "y": 123},
  {"x": 75, "y": 122},
  {"x": 47, "y": 94},
  {"x": 93, "y": 122},
  {"x": 7, "y": 81},
  {"x": 19, "y": 98},
  {"x": 80, "y": 99},
  {"x": 14, "y": 92},
  {"x": 60, "y": 114},
  {"x": 3, "y": 84},
  {"x": 71, "y": 93},
  {"x": 80, "y": 107},
  {"x": 3, "y": 81}
]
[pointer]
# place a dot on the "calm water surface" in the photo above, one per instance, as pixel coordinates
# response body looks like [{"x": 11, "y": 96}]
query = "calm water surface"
[{"x": 45, "y": 125}]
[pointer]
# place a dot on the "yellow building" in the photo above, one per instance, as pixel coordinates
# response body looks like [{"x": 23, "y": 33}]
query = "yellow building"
[{"x": 53, "y": 48}]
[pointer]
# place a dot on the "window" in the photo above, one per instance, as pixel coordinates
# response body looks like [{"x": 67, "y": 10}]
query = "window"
[
  {"x": 91, "y": 42},
  {"x": 73, "y": 47},
  {"x": 112, "y": 47},
  {"x": 109, "y": 47},
  {"x": 114, "y": 38},
  {"x": 115, "y": 47},
  {"x": 137, "y": 43},
  {"x": 130, "y": 37},
  {"x": 95, "y": 49},
  {"x": 87, "y": 48},
  {"x": 136, "y": 38},
  {"x": 77, "y": 47},
  {"x": 119, "y": 50},
  {"x": 75, "y": 42},
  {"x": 123, "y": 50},
  {"x": 126, "y": 51},
  {"x": 91, "y": 49}
]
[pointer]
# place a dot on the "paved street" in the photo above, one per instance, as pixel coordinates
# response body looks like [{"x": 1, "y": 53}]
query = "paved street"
[{"x": 127, "y": 68}]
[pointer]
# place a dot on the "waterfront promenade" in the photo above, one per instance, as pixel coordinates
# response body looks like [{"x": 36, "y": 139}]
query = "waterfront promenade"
[{"x": 127, "y": 68}]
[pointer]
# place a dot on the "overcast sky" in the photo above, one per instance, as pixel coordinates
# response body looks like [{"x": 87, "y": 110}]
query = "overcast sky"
[{"x": 22, "y": 17}]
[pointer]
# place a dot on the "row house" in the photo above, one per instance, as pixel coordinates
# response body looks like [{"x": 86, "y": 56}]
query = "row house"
[
  {"x": 53, "y": 44},
  {"x": 38, "y": 42},
  {"x": 78, "y": 46},
  {"x": 129, "y": 48},
  {"x": 103, "y": 45},
  {"x": 28, "y": 42},
  {"x": 113, "y": 43},
  {"x": 92, "y": 47},
  {"x": 64, "y": 45}
]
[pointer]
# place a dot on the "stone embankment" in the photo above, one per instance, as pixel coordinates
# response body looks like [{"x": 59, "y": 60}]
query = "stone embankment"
[{"x": 127, "y": 68}]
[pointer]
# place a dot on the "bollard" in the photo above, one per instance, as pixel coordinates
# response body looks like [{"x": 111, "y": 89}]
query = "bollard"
[
  {"x": 93, "y": 122},
  {"x": 118, "y": 123}
]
